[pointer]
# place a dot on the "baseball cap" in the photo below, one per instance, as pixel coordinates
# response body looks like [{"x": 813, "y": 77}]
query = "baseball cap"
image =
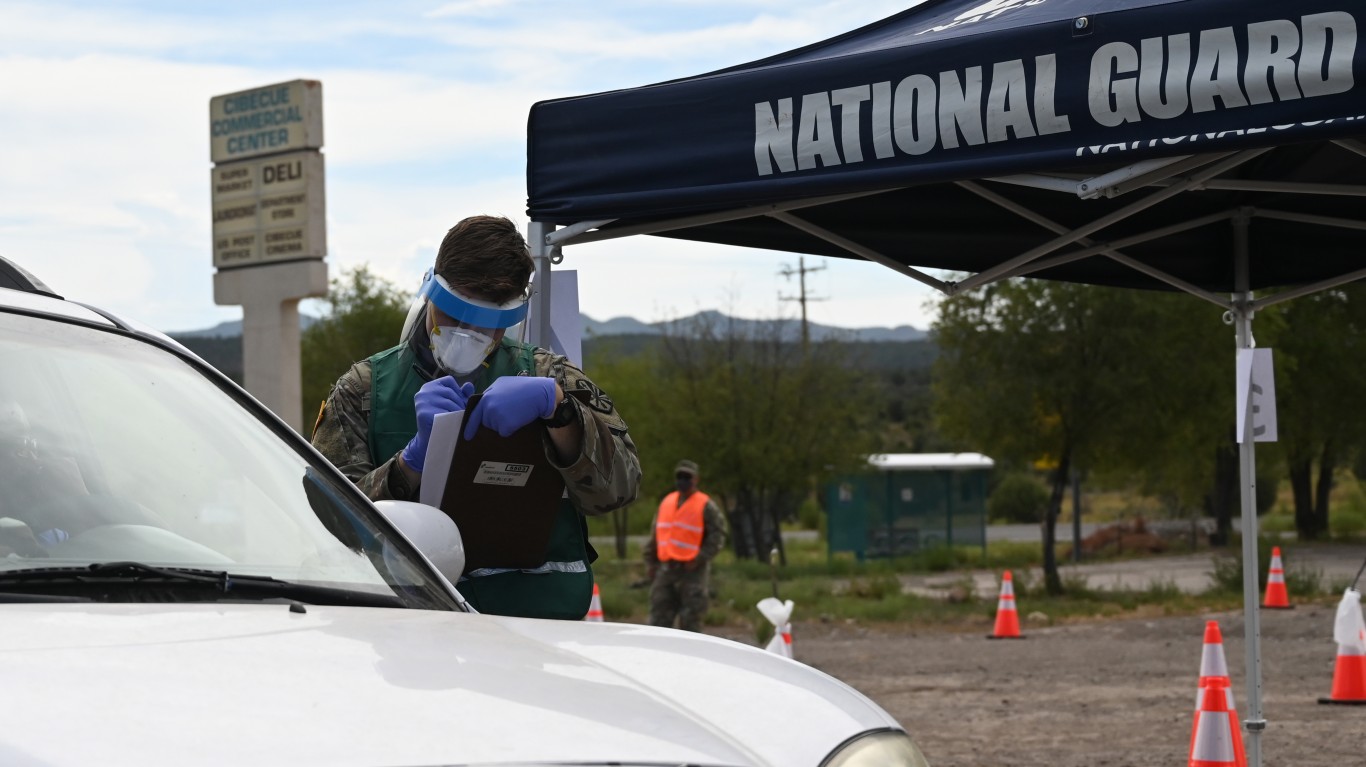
[{"x": 686, "y": 467}]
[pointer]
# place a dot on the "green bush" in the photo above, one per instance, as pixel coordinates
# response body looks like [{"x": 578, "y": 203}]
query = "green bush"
[
  {"x": 1228, "y": 568},
  {"x": 1018, "y": 498},
  {"x": 1347, "y": 523},
  {"x": 1228, "y": 571},
  {"x": 938, "y": 559},
  {"x": 810, "y": 516},
  {"x": 1277, "y": 523}
]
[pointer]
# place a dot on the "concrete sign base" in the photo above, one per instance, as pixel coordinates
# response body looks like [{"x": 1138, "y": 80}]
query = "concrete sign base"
[{"x": 269, "y": 296}]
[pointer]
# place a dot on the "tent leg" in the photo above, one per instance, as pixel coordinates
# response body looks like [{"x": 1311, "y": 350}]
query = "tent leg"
[
  {"x": 1252, "y": 630},
  {"x": 538, "y": 334}
]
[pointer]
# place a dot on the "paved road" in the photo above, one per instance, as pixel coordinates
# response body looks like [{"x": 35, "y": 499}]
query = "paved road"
[
  {"x": 1336, "y": 564},
  {"x": 1064, "y": 533}
]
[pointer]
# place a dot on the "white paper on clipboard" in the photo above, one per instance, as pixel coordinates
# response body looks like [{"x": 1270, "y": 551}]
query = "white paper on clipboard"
[{"x": 440, "y": 451}]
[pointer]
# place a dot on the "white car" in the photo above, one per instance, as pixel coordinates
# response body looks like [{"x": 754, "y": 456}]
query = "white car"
[{"x": 185, "y": 581}]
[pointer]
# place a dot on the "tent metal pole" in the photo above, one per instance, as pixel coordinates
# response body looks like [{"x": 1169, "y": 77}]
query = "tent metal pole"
[
  {"x": 1305, "y": 290},
  {"x": 1039, "y": 181},
  {"x": 541, "y": 251},
  {"x": 1307, "y": 218},
  {"x": 859, "y": 250},
  {"x": 1138, "y": 206},
  {"x": 1057, "y": 228},
  {"x": 573, "y": 230},
  {"x": 1141, "y": 174},
  {"x": 1352, "y": 145},
  {"x": 1107, "y": 248},
  {"x": 655, "y": 227},
  {"x": 1288, "y": 187},
  {"x": 1252, "y": 630}
]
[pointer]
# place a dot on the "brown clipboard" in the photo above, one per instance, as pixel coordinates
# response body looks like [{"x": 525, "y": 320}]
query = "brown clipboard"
[{"x": 504, "y": 494}]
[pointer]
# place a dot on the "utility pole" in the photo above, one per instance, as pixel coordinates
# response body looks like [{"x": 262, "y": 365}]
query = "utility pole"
[{"x": 801, "y": 271}]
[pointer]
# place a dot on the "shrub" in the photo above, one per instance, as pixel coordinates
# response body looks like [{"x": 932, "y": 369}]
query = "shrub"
[
  {"x": 1228, "y": 571},
  {"x": 810, "y": 516},
  {"x": 1228, "y": 568},
  {"x": 1018, "y": 498},
  {"x": 938, "y": 559},
  {"x": 1277, "y": 523},
  {"x": 1347, "y": 523}
]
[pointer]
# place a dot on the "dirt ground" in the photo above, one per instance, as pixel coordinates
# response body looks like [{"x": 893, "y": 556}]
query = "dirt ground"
[{"x": 1113, "y": 693}]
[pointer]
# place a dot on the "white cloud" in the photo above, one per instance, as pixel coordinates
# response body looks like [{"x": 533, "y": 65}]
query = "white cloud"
[
  {"x": 469, "y": 7},
  {"x": 104, "y": 139},
  {"x": 377, "y": 117}
]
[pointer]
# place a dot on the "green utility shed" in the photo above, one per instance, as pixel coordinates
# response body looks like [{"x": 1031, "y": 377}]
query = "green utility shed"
[{"x": 906, "y": 502}]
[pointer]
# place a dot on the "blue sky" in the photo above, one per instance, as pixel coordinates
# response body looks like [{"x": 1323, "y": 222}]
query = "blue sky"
[{"x": 104, "y": 140}]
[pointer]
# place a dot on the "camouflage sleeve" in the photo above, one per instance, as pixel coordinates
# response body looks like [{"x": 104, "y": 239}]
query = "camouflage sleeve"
[
  {"x": 341, "y": 434},
  {"x": 713, "y": 532},
  {"x": 606, "y": 475}
]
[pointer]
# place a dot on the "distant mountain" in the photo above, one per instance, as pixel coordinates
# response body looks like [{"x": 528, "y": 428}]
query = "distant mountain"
[
  {"x": 617, "y": 326},
  {"x": 629, "y": 326},
  {"x": 231, "y": 329},
  {"x": 790, "y": 329}
]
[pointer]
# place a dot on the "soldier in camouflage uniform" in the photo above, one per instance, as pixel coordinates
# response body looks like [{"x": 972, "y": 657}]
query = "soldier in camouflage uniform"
[
  {"x": 375, "y": 423},
  {"x": 689, "y": 531}
]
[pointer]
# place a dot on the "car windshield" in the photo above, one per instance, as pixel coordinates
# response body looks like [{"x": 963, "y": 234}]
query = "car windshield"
[{"x": 115, "y": 450}]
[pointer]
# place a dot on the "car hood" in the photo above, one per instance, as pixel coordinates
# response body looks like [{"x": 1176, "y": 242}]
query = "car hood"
[{"x": 252, "y": 684}]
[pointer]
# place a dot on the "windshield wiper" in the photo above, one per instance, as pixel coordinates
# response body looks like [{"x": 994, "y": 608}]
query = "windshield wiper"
[{"x": 120, "y": 576}]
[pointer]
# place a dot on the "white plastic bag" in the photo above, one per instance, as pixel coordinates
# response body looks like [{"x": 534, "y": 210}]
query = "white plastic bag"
[
  {"x": 1349, "y": 629},
  {"x": 779, "y": 614}
]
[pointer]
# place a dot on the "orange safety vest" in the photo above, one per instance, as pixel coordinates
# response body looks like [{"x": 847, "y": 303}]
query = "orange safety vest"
[{"x": 678, "y": 529}]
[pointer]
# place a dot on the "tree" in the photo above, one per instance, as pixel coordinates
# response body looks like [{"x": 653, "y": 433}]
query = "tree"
[
  {"x": 363, "y": 315},
  {"x": 1320, "y": 372},
  {"x": 763, "y": 419},
  {"x": 1177, "y": 431},
  {"x": 1037, "y": 371},
  {"x": 629, "y": 378}
]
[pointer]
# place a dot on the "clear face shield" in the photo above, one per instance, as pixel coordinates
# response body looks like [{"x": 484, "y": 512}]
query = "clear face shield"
[{"x": 461, "y": 330}]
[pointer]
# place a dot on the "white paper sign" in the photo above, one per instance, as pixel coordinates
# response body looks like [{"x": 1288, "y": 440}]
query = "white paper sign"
[
  {"x": 1256, "y": 394},
  {"x": 440, "y": 450},
  {"x": 566, "y": 326}
]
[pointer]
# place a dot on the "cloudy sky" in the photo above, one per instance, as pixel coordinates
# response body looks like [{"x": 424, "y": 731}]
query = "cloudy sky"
[{"x": 104, "y": 140}]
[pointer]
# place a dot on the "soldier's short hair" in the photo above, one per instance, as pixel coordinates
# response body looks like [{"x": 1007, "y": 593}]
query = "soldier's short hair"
[{"x": 486, "y": 255}]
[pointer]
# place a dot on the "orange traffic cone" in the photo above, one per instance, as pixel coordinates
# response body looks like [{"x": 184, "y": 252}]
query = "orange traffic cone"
[
  {"x": 1216, "y": 739},
  {"x": 1213, "y": 664},
  {"x": 1349, "y": 672},
  {"x": 1275, "y": 584},
  {"x": 594, "y": 607},
  {"x": 1007, "y": 619}
]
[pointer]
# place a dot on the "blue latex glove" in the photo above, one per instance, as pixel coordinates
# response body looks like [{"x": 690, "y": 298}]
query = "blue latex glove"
[
  {"x": 443, "y": 395},
  {"x": 512, "y": 402}
]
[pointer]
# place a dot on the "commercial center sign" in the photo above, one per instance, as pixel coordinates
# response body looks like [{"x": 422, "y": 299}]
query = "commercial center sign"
[
  {"x": 266, "y": 120},
  {"x": 267, "y": 182}
]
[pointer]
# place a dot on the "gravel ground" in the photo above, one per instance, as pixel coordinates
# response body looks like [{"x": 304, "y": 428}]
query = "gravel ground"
[{"x": 1118, "y": 692}]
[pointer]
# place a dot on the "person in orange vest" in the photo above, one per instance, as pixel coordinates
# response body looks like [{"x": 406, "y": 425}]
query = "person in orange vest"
[{"x": 689, "y": 532}]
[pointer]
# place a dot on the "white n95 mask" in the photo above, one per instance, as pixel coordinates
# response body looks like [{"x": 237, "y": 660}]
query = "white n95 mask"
[{"x": 460, "y": 350}]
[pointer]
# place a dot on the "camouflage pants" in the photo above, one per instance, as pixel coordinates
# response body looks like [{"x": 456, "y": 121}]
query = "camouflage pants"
[{"x": 678, "y": 594}]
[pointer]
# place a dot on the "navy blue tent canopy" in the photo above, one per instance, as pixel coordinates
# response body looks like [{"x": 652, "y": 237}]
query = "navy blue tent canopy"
[
  {"x": 903, "y": 120},
  {"x": 1216, "y": 147}
]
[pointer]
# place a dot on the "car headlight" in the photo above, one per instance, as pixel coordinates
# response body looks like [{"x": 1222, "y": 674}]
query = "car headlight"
[{"x": 877, "y": 749}]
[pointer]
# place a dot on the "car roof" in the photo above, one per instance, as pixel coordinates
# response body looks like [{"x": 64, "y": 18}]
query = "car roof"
[{"x": 21, "y": 290}]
